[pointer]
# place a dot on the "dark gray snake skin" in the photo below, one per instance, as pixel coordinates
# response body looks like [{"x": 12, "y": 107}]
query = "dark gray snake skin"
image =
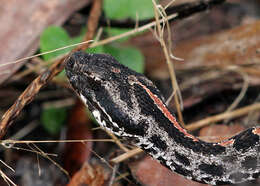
[{"x": 129, "y": 105}]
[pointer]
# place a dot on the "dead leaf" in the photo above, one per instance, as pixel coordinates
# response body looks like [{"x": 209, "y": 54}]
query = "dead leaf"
[
  {"x": 150, "y": 172},
  {"x": 78, "y": 128},
  {"x": 217, "y": 133},
  {"x": 88, "y": 175},
  {"x": 22, "y": 23}
]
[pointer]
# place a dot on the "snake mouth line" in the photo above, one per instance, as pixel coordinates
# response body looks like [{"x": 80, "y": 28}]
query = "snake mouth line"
[{"x": 100, "y": 116}]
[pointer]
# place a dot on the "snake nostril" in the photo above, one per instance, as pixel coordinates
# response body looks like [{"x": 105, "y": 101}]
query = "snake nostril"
[{"x": 73, "y": 79}]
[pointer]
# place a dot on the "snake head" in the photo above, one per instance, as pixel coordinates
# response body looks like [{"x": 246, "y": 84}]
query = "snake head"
[{"x": 112, "y": 92}]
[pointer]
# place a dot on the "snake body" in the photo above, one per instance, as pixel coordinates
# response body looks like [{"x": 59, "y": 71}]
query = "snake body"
[{"x": 129, "y": 105}]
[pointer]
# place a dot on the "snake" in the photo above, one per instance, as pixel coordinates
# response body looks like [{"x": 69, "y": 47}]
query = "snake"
[{"x": 130, "y": 106}]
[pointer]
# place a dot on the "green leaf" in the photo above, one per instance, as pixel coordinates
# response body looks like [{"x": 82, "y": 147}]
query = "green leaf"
[
  {"x": 117, "y": 31},
  {"x": 143, "y": 8},
  {"x": 61, "y": 75},
  {"x": 115, "y": 9},
  {"x": 56, "y": 37},
  {"x": 53, "y": 38},
  {"x": 53, "y": 118},
  {"x": 128, "y": 56},
  {"x": 122, "y": 9},
  {"x": 98, "y": 49}
]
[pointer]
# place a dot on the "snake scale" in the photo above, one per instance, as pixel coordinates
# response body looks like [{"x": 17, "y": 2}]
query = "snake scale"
[{"x": 128, "y": 104}]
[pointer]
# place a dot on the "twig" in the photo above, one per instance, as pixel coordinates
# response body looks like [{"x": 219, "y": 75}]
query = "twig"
[
  {"x": 131, "y": 32},
  {"x": 122, "y": 176},
  {"x": 30, "y": 92},
  {"x": 219, "y": 117},
  {"x": 28, "y": 95},
  {"x": 183, "y": 10},
  {"x": 92, "y": 24},
  {"x": 25, "y": 130},
  {"x": 243, "y": 90},
  {"x": 112, "y": 178},
  {"x": 43, "y": 53},
  {"x": 117, "y": 141},
  {"x": 4, "y": 176},
  {"x": 111, "y": 167},
  {"x": 6, "y": 179},
  {"x": 126, "y": 155},
  {"x": 169, "y": 63},
  {"x": 10, "y": 142},
  {"x": 36, "y": 149}
]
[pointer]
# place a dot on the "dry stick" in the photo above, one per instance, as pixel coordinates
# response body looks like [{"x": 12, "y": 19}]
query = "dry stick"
[
  {"x": 117, "y": 141},
  {"x": 126, "y": 155},
  {"x": 243, "y": 89},
  {"x": 121, "y": 176},
  {"x": 170, "y": 65},
  {"x": 105, "y": 41},
  {"x": 185, "y": 9},
  {"x": 10, "y": 142},
  {"x": 25, "y": 130},
  {"x": 254, "y": 70},
  {"x": 201, "y": 78},
  {"x": 112, "y": 178},
  {"x": 6, "y": 178},
  {"x": 43, "y": 53},
  {"x": 131, "y": 32},
  {"x": 28, "y": 95},
  {"x": 219, "y": 117},
  {"x": 110, "y": 166},
  {"x": 37, "y": 67},
  {"x": 92, "y": 24},
  {"x": 30, "y": 92},
  {"x": 43, "y": 154}
]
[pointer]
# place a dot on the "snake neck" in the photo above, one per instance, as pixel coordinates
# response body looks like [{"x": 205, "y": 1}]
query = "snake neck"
[
  {"x": 129, "y": 105},
  {"x": 232, "y": 161}
]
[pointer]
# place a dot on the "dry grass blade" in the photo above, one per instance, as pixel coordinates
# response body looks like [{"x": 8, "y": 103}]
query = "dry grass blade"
[
  {"x": 117, "y": 141},
  {"x": 9, "y": 142},
  {"x": 111, "y": 167},
  {"x": 45, "y": 155},
  {"x": 126, "y": 155},
  {"x": 112, "y": 178},
  {"x": 131, "y": 32},
  {"x": 225, "y": 115},
  {"x": 28, "y": 95},
  {"x": 6, "y": 179},
  {"x": 243, "y": 90},
  {"x": 92, "y": 23},
  {"x": 30, "y": 92},
  {"x": 175, "y": 86},
  {"x": 43, "y": 53},
  {"x": 3, "y": 175}
]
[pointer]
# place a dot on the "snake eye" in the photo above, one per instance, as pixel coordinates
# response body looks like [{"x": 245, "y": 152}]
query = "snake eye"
[
  {"x": 131, "y": 80},
  {"x": 94, "y": 84}
]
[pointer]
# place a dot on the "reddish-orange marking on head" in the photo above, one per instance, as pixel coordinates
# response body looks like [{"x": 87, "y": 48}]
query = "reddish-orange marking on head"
[
  {"x": 256, "y": 131},
  {"x": 115, "y": 70},
  {"x": 166, "y": 112},
  {"x": 226, "y": 143}
]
